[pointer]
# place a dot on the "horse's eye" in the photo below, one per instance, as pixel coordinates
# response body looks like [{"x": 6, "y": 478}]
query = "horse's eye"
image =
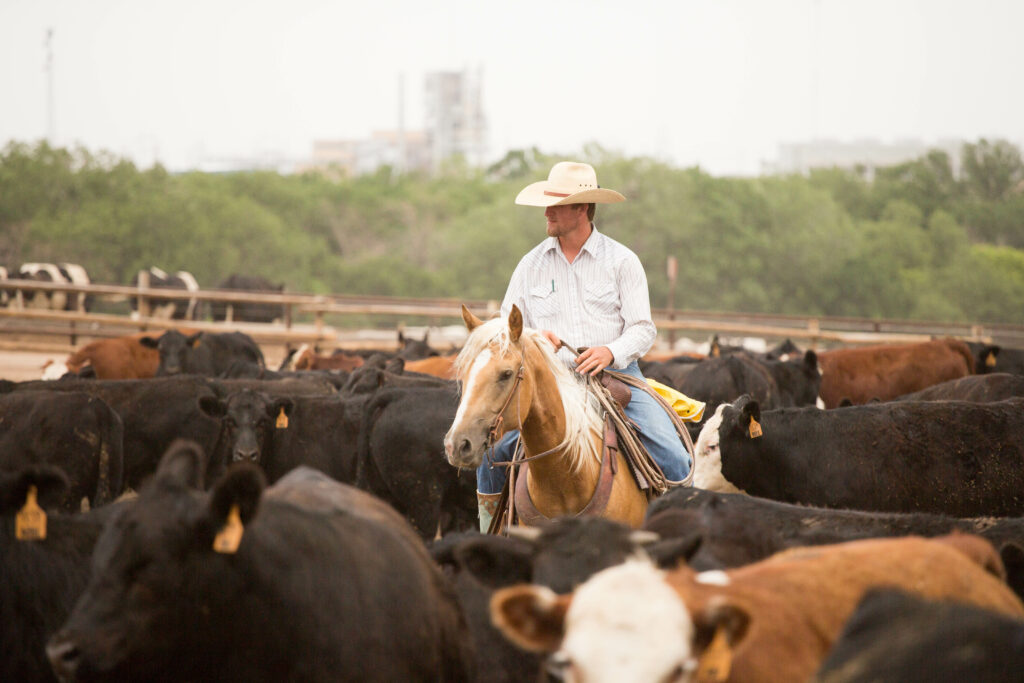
[{"x": 506, "y": 374}]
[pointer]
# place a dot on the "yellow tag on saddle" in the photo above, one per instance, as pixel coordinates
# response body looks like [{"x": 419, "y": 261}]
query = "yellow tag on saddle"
[
  {"x": 686, "y": 408},
  {"x": 282, "y": 420},
  {"x": 30, "y": 522},
  {"x": 716, "y": 661},
  {"x": 230, "y": 536},
  {"x": 755, "y": 428}
]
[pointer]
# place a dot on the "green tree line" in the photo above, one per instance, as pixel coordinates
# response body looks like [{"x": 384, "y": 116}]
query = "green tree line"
[{"x": 917, "y": 240}]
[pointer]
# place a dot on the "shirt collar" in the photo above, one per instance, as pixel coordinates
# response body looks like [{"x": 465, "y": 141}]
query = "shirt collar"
[{"x": 592, "y": 245}]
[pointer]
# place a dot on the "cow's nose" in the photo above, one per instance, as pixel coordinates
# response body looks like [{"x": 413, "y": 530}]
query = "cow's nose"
[
  {"x": 64, "y": 657},
  {"x": 245, "y": 454}
]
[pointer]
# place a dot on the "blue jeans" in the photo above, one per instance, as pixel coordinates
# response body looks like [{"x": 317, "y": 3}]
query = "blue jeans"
[{"x": 657, "y": 434}]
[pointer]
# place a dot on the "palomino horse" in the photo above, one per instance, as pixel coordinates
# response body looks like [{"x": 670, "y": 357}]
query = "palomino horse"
[{"x": 553, "y": 411}]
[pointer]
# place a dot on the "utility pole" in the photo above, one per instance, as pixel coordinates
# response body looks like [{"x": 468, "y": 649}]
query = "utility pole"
[{"x": 51, "y": 133}]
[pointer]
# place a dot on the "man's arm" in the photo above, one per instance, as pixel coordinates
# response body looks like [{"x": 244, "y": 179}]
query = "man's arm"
[{"x": 638, "y": 332}]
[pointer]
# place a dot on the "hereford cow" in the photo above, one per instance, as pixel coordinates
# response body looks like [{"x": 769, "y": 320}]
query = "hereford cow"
[
  {"x": 731, "y": 529},
  {"x": 42, "y": 578},
  {"x": 177, "y": 308},
  {"x": 319, "y": 581},
  {"x": 72, "y": 430},
  {"x": 247, "y": 311},
  {"x": 60, "y": 273},
  {"x": 896, "y": 637},
  {"x": 951, "y": 457},
  {"x": 770, "y": 621},
  {"x": 203, "y": 353},
  {"x": 885, "y": 372}
]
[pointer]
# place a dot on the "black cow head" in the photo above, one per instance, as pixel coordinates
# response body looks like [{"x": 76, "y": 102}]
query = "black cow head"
[
  {"x": 414, "y": 349},
  {"x": 740, "y": 416},
  {"x": 159, "y": 588},
  {"x": 50, "y": 483},
  {"x": 174, "y": 348},
  {"x": 248, "y": 420}
]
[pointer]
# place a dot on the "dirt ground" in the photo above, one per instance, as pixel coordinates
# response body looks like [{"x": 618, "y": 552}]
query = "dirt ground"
[{"x": 19, "y": 366}]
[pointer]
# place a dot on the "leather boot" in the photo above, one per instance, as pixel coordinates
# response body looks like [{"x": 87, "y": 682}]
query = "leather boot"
[{"x": 487, "y": 506}]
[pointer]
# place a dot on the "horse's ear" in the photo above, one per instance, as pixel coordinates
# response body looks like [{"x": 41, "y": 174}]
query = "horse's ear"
[
  {"x": 472, "y": 322},
  {"x": 515, "y": 324}
]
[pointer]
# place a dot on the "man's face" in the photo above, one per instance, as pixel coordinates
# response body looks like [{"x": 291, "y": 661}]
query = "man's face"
[{"x": 563, "y": 219}]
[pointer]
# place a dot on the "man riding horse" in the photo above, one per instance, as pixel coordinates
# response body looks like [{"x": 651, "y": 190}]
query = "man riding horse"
[{"x": 583, "y": 287}]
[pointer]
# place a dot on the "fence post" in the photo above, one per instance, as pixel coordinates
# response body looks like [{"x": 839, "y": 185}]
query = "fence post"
[{"x": 143, "y": 302}]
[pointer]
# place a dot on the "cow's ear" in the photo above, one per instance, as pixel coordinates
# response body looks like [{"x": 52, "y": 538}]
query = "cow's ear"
[
  {"x": 668, "y": 553},
  {"x": 149, "y": 342},
  {"x": 532, "y": 617},
  {"x": 213, "y": 406},
  {"x": 749, "y": 409},
  {"x": 472, "y": 322},
  {"x": 811, "y": 362},
  {"x": 193, "y": 340},
  {"x": 496, "y": 561},
  {"x": 401, "y": 337},
  {"x": 395, "y": 366},
  {"x": 515, "y": 323},
  {"x": 425, "y": 335},
  {"x": 720, "y": 628},
  {"x": 49, "y": 481},
  {"x": 286, "y": 404},
  {"x": 243, "y": 487},
  {"x": 182, "y": 465}
]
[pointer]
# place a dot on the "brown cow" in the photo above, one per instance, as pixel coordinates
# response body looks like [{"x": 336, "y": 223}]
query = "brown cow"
[
  {"x": 885, "y": 372},
  {"x": 770, "y": 621},
  {"x": 306, "y": 358},
  {"x": 114, "y": 358},
  {"x": 438, "y": 366}
]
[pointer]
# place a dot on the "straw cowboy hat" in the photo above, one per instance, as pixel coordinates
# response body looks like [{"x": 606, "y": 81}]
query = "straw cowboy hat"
[{"x": 569, "y": 182}]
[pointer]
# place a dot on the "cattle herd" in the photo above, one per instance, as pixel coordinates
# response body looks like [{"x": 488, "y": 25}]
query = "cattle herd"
[{"x": 174, "y": 509}]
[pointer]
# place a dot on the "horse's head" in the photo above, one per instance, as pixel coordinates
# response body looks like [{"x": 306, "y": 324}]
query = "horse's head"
[{"x": 496, "y": 390}]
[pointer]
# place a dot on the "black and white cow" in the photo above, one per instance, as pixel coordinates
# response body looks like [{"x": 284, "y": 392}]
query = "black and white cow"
[
  {"x": 323, "y": 582},
  {"x": 244, "y": 310},
  {"x": 60, "y": 273},
  {"x": 177, "y": 309},
  {"x": 5, "y": 294},
  {"x": 952, "y": 457}
]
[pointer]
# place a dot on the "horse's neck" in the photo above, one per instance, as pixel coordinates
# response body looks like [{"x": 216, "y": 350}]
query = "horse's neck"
[{"x": 542, "y": 430}]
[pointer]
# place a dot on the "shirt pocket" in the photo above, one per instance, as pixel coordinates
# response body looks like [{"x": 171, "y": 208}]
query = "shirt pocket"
[
  {"x": 601, "y": 298},
  {"x": 543, "y": 302}
]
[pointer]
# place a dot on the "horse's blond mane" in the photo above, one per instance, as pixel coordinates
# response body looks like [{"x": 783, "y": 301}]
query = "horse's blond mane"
[{"x": 583, "y": 414}]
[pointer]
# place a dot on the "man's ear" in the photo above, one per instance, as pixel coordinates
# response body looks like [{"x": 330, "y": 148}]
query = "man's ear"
[
  {"x": 472, "y": 322},
  {"x": 515, "y": 324},
  {"x": 532, "y": 617}
]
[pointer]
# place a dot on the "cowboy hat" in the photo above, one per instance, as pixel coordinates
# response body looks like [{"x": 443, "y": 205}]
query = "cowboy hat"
[{"x": 569, "y": 182}]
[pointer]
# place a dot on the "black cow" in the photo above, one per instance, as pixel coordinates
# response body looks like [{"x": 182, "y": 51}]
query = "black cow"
[
  {"x": 203, "y": 353},
  {"x": 77, "y": 432},
  {"x": 245, "y": 310},
  {"x": 988, "y": 388},
  {"x": 734, "y": 529},
  {"x": 183, "y": 308},
  {"x": 369, "y": 378},
  {"x": 415, "y": 349},
  {"x": 42, "y": 579},
  {"x": 951, "y": 457},
  {"x": 672, "y": 372},
  {"x": 60, "y": 273},
  {"x": 559, "y": 556},
  {"x": 401, "y": 459},
  {"x": 279, "y": 433},
  {"x": 324, "y": 583},
  {"x": 994, "y": 358},
  {"x": 895, "y": 637}
]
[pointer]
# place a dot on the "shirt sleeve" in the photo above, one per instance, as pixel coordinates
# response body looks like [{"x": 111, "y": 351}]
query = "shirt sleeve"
[
  {"x": 639, "y": 331},
  {"x": 516, "y": 292}
]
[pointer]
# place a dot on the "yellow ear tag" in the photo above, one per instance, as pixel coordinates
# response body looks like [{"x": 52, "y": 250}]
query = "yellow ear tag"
[
  {"x": 30, "y": 522},
  {"x": 716, "y": 352},
  {"x": 230, "y": 536},
  {"x": 716, "y": 661},
  {"x": 990, "y": 359},
  {"x": 755, "y": 428},
  {"x": 282, "y": 420}
]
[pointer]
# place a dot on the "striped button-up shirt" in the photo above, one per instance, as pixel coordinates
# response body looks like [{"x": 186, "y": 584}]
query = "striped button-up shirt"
[{"x": 600, "y": 299}]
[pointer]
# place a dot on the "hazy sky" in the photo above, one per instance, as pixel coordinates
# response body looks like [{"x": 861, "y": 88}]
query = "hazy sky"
[{"x": 715, "y": 82}]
